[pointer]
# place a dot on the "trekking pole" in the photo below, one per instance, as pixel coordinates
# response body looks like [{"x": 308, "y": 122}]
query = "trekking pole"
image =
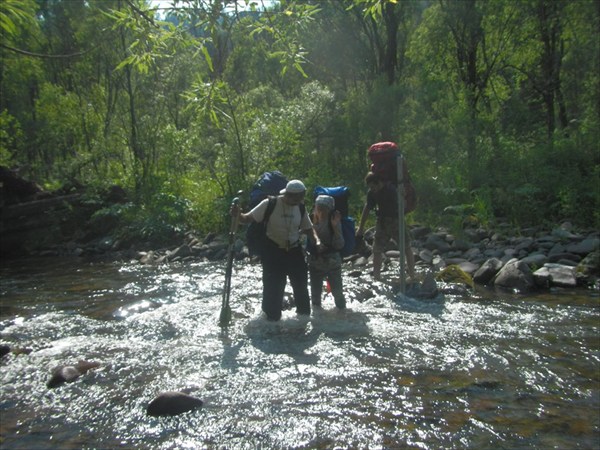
[
  {"x": 401, "y": 231},
  {"x": 225, "y": 316}
]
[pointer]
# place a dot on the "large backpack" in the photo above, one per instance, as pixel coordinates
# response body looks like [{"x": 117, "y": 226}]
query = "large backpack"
[
  {"x": 268, "y": 185},
  {"x": 340, "y": 195},
  {"x": 383, "y": 156}
]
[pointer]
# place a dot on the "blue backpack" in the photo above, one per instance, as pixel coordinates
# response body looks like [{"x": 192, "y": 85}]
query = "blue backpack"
[{"x": 340, "y": 195}]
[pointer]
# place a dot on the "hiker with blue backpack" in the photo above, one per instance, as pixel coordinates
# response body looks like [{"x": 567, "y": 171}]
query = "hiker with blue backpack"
[
  {"x": 327, "y": 263},
  {"x": 281, "y": 251}
]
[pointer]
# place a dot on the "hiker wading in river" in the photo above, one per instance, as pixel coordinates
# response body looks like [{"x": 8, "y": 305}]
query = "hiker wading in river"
[
  {"x": 327, "y": 263},
  {"x": 282, "y": 254}
]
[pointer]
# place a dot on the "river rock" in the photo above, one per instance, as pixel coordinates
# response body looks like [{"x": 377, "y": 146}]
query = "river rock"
[
  {"x": 437, "y": 241},
  {"x": 4, "y": 350},
  {"x": 515, "y": 275},
  {"x": 426, "y": 255},
  {"x": 556, "y": 275},
  {"x": 468, "y": 267},
  {"x": 455, "y": 275},
  {"x": 426, "y": 290},
  {"x": 535, "y": 260},
  {"x": 68, "y": 374},
  {"x": 180, "y": 252},
  {"x": 171, "y": 403},
  {"x": 590, "y": 265},
  {"x": 487, "y": 271},
  {"x": 585, "y": 247},
  {"x": 555, "y": 257}
]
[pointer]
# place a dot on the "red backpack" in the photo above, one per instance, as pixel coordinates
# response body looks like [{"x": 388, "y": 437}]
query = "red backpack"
[{"x": 383, "y": 156}]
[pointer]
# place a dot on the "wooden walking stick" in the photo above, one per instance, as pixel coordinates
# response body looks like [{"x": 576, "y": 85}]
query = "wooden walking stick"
[{"x": 225, "y": 316}]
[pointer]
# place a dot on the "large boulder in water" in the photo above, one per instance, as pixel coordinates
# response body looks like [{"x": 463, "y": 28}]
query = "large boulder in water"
[
  {"x": 487, "y": 271},
  {"x": 171, "y": 403},
  {"x": 515, "y": 276},
  {"x": 556, "y": 275}
]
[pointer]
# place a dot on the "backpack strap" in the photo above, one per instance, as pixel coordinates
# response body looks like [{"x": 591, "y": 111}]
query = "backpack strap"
[{"x": 270, "y": 208}]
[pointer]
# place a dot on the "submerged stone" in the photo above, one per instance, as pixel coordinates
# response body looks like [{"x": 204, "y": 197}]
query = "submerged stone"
[
  {"x": 171, "y": 403},
  {"x": 68, "y": 374}
]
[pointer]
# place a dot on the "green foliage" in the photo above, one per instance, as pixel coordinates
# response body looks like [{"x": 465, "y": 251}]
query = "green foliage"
[
  {"x": 183, "y": 112},
  {"x": 11, "y": 138},
  {"x": 16, "y": 13}
]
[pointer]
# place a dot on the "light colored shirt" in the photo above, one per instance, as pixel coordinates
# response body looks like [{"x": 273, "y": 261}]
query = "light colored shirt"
[{"x": 285, "y": 223}]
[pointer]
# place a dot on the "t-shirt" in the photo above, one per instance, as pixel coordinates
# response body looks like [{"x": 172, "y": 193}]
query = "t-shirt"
[
  {"x": 330, "y": 259},
  {"x": 386, "y": 200},
  {"x": 285, "y": 224}
]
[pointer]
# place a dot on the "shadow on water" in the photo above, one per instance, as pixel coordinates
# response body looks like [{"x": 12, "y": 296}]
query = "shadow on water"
[
  {"x": 432, "y": 306},
  {"x": 291, "y": 336}
]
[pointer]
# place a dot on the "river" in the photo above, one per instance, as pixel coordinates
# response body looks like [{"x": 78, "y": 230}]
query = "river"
[{"x": 485, "y": 371}]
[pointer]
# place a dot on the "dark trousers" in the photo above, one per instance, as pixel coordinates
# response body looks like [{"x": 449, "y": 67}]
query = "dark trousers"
[
  {"x": 277, "y": 265},
  {"x": 334, "y": 277}
]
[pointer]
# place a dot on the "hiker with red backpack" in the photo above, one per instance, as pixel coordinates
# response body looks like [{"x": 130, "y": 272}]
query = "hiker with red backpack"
[
  {"x": 282, "y": 254},
  {"x": 383, "y": 196},
  {"x": 327, "y": 263}
]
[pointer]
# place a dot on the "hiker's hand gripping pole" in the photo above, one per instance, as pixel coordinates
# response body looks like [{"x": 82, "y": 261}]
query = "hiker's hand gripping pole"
[{"x": 225, "y": 316}]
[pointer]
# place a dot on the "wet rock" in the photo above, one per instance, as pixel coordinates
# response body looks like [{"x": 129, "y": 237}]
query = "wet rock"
[
  {"x": 460, "y": 245},
  {"x": 425, "y": 290},
  {"x": 171, "y": 403},
  {"x": 564, "y": 233},
  {"x": 473, "y": 254},
  {"x": 180, "y": 252},
  {"x": 4, "y": 350},
  {"x": 476, "y": 235},
  {"x": 516, "y": 276},
  {"x": 535, "y": 260},
  {"x": 555, "y": 257},
  {"x": 455, "y": 275},
  {"x": 426, "y": 255},
  {"x": 487, "y": 271},
  {"x": 468, "y": 267},
  {"x": 437, "y": 242},
  {"x": 556, "y": 275},
  {"x": 585, "y": 247},
  {"x": 590, "y": 265},
  {"x": 68, "y": 374},
  {"x": 362, "y": 261}
]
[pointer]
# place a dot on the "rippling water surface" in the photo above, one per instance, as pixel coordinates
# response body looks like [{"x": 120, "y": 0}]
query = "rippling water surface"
[{"x": 488, "y": 371}]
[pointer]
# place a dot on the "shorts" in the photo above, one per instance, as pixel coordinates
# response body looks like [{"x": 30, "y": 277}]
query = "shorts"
[{"x": 386, "y": 229}]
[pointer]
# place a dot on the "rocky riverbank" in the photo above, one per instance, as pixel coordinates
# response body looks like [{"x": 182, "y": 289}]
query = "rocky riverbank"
[
  {"x": 38, "y": 223},
  {"x": 535, "y": 259}
]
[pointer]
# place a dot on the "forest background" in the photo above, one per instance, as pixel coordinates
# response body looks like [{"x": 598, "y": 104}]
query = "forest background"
[{"x": 495, "y": 103}]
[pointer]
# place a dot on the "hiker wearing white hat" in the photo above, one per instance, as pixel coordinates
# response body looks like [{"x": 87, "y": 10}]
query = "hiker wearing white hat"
[
  {"x": 282, "y": 255},
  {"x": 326, "y": 263}
]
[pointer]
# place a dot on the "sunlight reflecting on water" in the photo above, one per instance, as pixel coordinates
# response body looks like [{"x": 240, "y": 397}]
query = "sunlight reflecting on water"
[{"x": 481, "y": 372}]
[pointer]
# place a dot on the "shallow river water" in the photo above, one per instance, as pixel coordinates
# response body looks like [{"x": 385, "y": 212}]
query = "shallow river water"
[{"x": 487, "y": 371}]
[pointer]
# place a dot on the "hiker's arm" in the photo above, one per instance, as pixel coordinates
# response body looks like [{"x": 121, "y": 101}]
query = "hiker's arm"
[
  {"x": 242, "y": 217},
  {"x": 312, "y": 235},
  {"x": 337, "y": 240},
  {"x": 363, "y": 219}
]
